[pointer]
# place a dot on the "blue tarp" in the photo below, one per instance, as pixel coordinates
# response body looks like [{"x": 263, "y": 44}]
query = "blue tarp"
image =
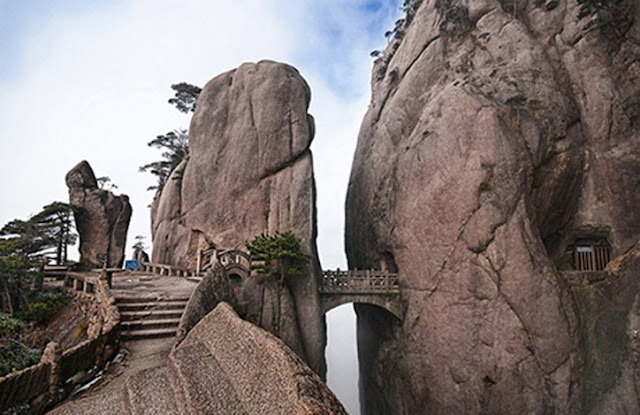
[{"x": 132, "y": 264}]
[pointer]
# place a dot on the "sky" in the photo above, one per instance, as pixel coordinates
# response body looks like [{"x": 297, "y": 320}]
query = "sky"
[{"x": 89, "y": 80}]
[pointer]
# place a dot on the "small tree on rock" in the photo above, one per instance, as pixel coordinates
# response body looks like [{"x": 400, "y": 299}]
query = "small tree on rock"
[
  {"x": 174, "y": 143},
  {"x": 105, "y": 183},
  {"x": 185, "y": 97},
  {"x": 282, "y": 255}
]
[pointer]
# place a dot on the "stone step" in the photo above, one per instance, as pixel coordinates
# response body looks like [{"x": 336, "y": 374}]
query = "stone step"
[
  {"x": 150, "y": 324},
  {"x": 148, "y": 299},
  {"x": 150, "y": 314},
  {"x": 195, "y": 279},
  {"x": 158, "y": 305},
  {"x": 148, "y": 334}
]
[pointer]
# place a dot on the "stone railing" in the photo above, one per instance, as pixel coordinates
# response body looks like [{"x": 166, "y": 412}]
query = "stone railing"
[
  {"x": 78, "y": 282},
  {"x": 359, "y": 282},
  {"x": 55, "y": 376},
  {"x": 166, "y": 270}
]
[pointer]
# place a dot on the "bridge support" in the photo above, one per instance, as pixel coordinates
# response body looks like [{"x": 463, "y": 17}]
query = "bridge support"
[
  {"x": 392, "y": 304},
  {"x": 379, "y": 288}
]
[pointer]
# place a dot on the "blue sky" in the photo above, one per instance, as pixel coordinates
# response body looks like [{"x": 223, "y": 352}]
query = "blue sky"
[
  {"x": 89, "y": 79},
  {"x": 19, "y": 18}
]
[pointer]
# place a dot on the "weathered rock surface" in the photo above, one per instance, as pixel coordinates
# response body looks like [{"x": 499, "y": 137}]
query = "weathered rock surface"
[
  {"x": 499, "y": 132},
  {"x": 226, "y": 365},
  {"x": 610, "y": 315},
  {"x": 102, "y": 221},
  {"x": 249, "y": 172},
  {"x": 263, "y": 303}
]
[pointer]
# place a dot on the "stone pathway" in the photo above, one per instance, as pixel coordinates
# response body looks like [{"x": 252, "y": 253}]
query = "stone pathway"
[
  {"x": 155, "y": 292},
  {"x": 106, "y": 397}
]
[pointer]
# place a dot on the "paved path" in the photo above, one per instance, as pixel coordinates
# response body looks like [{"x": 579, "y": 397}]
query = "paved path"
[
  {"x": 137, "y": 284},
  {"x": 106, "y": 397}
]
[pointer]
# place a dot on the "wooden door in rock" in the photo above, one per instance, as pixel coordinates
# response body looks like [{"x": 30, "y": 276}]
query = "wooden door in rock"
[{"x": 591, "y": 255}]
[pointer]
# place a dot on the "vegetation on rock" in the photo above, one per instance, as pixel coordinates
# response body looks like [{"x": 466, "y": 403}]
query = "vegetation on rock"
[
  {"x": 174, "y": 143},
  {"x": 176, "y": 148},
  {"x": 43, "y": 305},
  {"x": 105, "y": 183},
  {"x": 589, "y": 8},
  {"x": 282, "y": 255}
]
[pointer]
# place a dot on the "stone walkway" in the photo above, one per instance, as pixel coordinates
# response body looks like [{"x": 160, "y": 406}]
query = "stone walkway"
[
  {"x": 106, "y": 397},
  {"x": 144, "y": 285}
]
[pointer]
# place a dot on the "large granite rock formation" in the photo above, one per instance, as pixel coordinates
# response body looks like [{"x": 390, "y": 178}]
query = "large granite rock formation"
[
  {"x": 102, "y": 220},
  {"x": 499, "y": 133},
  {"x": 229, "y": 366},
  {"x": 249, "y": 172}
]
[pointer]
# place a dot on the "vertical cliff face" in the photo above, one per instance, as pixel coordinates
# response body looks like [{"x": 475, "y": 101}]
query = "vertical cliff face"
[
  {"x": 249, "y": 172},
  {"x": 102, "y": 219},
  {"x": 499, "y": 133}
]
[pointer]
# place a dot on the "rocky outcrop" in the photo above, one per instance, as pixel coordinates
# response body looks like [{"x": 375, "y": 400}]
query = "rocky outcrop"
[
  {"x": 609, "y": 311},
  {"x": 499, "y": 133},
  {"x": 102, "y": 219},
  {"x": 262, "y": 302},
  {"x": 249, "y": 172},
  {"x": 229, "y": 366}
]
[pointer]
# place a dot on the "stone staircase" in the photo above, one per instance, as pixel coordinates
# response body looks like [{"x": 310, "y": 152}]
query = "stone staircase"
[
  {"x": 149, "y": 317},
  {"x": 224, "y": 366},
  {"x": 196, "y": 277}
]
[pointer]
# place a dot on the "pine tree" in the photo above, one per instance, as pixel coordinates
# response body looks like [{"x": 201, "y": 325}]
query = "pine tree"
[
  {"x": 56, "y": 223},
  {"x": 174, "y": 143}
]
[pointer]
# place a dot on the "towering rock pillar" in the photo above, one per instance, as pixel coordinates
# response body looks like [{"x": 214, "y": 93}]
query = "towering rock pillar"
[
  {"x": 499, "y": 133},
  {"x": 249, "y": 172},
  {"x": 102, "y": 219}
]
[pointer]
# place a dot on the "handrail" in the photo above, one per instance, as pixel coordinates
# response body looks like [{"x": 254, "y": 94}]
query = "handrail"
[
  {"x": 80, "y": 282},
  {"x": 359, "y": 282},
  {"x": 165, "y": 270},
  {"x": 43, "y": 384}
]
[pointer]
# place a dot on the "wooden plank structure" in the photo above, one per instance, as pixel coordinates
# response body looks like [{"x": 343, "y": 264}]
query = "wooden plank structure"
[{"x": 591, "y": 257}]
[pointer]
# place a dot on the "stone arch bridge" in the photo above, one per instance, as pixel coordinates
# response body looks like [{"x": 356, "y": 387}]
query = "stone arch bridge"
[
  {"x": 380, "y": 288},
  {"x": 336, "y": 287}
]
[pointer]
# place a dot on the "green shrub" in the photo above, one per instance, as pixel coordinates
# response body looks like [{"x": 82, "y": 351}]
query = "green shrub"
[
  {"x": 285, "y": 249},
  {"x": 9, "y": 326},
  {"x": 519, "y": 99},
  {"x": 488, "y": 381},
  {"x": 485, "y": 186},
  {"x": 44, "y": 305},
  {"x": 16, "y": 356}
]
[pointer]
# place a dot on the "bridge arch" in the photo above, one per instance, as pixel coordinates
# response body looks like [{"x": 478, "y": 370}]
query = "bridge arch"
[
  {"x": 379, "y": 288},
  {"x": 390, "y": 304}
]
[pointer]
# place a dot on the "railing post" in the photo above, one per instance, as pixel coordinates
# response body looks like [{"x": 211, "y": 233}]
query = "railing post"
[{"x": 53, "y": 355}]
